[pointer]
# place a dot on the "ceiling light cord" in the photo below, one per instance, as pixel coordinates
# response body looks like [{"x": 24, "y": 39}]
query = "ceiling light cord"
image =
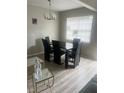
[{"x": 50, "y": 15}]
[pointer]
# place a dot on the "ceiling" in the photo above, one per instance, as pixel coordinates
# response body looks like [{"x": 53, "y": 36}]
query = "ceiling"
[
  {"x": 92, "y": 3},
  {"x": 62, "y": 5}
]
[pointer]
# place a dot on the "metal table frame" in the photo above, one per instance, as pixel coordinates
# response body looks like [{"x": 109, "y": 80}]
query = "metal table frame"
[{"x": 46, "y": 79}]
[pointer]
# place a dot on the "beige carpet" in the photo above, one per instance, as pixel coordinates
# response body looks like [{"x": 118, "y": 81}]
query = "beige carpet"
[{"x": 69, "y": 80}]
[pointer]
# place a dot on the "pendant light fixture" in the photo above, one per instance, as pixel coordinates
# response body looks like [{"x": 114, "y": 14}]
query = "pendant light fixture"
[{"x": 49, "y": 15}]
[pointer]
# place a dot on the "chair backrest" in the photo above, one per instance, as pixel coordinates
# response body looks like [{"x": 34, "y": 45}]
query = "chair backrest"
[
  {"x": 47, "y": 38},
  {"x": 56, "y": 46},
  {"x": 57, "y": 51},
  {"x": 76, "y": 41},
  {"x": 62, "y": 44},
  {"x": 46, "y": 45},
  {"x": 75, "y": 45}
]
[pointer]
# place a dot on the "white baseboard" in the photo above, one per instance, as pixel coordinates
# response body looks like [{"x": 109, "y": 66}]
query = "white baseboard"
[{"x": 34, "y": 54}]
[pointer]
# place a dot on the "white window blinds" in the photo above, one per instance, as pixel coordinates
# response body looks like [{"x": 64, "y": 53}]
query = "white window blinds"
[{"x": 79, "y": 27}]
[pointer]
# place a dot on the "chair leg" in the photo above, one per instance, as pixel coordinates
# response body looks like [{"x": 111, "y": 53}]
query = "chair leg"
[
  {"x": 57, "y": 59},
  {"x": 66, "y": 60},
  {"x": 75, "y": 64},
  {"x": 47, "y": 57}
]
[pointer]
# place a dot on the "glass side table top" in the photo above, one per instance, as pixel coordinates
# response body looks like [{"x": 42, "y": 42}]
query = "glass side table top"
[
  {"x": 45, "y": 74},
  {"x": 30, "y": 65}
]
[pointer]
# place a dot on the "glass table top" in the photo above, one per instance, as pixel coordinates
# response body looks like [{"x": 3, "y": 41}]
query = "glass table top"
[
  {"x": 43, "y": 72},
  {"x": 43, "y": 75},
  {"x": 30, "y": 65}
]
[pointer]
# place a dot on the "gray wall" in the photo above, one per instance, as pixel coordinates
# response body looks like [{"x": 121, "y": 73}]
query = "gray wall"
[
  {"x": 42, "y": 28},
  {"x": 87, "y": 50}
]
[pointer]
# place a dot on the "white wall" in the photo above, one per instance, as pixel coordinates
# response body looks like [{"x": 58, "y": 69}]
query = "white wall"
[{"x": 35, "y": 31}]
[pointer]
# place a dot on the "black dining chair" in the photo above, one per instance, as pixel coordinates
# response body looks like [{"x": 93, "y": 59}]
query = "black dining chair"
[
  {"x": 58, "y": 52},
  {"x": 73, "y": 54},
  {"x": 47, "y": 50}
]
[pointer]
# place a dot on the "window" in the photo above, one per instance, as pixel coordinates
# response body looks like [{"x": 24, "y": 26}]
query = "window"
[{"x": 79, "y": 27}]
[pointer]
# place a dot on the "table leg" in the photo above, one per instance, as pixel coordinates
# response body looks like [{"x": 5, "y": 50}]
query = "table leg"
[
  {"x": 49, "y": 85},
  {"x": 34, "y": 85}
]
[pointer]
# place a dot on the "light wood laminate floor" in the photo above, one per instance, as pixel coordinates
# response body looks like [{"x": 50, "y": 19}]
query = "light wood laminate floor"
[{"x": 69, "y": 80}]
